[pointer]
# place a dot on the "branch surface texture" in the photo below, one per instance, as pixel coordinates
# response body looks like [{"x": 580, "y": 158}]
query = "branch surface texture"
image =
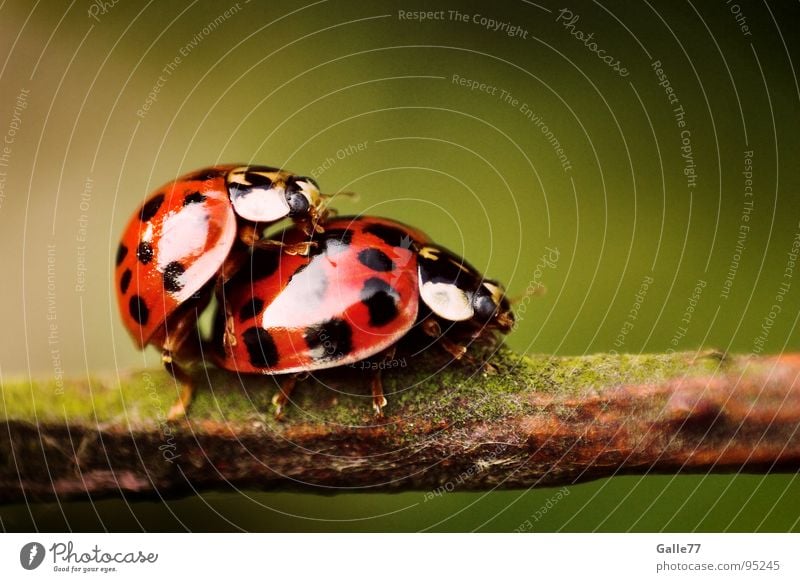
[{"x": 523, "y": 422}]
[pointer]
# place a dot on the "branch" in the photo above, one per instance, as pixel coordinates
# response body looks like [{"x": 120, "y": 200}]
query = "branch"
[{"x": 533, "y": 422}]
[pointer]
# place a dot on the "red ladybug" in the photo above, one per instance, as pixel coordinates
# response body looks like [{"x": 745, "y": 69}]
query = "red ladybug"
[
  {"x": 363, "y": 287},
  {"x": 177, "y": 244}
]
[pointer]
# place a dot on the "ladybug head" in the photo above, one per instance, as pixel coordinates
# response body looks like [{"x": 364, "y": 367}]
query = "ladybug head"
[
  {"x": 264, "y": 194},
  {"x": 492, "y": 307},
  {"x": 455, "y": 291}
]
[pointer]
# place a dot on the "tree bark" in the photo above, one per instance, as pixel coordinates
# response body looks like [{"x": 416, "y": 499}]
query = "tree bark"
[{"x": 518, "y": 422}]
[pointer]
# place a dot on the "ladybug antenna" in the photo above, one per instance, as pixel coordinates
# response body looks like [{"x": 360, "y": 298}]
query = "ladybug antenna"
[
  {"x": 330, "y": 196},
  {"x": 536, "y": 292},
  {"x": 325, "y": 210}
]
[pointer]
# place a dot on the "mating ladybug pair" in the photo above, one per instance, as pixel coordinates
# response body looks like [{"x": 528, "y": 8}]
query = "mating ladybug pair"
[{"x": 325, "y": 292}]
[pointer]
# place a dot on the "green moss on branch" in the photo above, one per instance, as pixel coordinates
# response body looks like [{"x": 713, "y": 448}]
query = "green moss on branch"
[{"x": 558, "y": 420}]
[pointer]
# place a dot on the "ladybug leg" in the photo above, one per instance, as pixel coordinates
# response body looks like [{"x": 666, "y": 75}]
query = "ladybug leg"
[
  {"x": 249, "y": 234},
  {"x": 376, "y": 385},
  {"x": 318, "y": 215},
  {"x": 329, "y": 213},
  {"x": 284, "y": 393},
  {"x": 378, "y": 399},
  {"x": 251, "y": 237},
  {"x": 300, "y": 248},
  {"x": 313, "y": 225},
  {"x": 178, "y": 410},
  {"x": 182, "y": 344},
  {"x": 432, "y": 328},
  {"x": 457, "y": 351}
]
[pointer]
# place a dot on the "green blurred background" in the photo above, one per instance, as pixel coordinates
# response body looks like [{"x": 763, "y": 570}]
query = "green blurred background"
[{"x": 369, "y": 100}]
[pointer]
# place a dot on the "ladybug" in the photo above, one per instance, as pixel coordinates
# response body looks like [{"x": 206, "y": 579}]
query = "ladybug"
[
  {"x": 187, "y": 235},
  {"x": 365, "y": 285}
]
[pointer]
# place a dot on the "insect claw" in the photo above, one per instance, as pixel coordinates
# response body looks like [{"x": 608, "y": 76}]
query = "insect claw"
[
  {"x": 378, "y": 403},
  {"x": 176, "y": 412},
  {"x": 378, "y": 399},
  {"x": 278, "y": 402},
  {"x": 378, "y": 407}
]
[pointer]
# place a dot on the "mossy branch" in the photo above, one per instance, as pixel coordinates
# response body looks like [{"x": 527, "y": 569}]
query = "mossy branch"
[{"x": 532, "y": 421}]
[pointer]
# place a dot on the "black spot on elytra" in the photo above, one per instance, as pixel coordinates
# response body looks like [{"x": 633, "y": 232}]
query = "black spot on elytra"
[
  {"x": 390, "y": 235},
  {"x": 125, "y": 281},
  {"x": 261, "y": 347},
  {"x": 376, "y": 260},
  {"x": 172, "y": 277},
  {"x": 381, "y": 301},
  {"x": 250, "y": 309},
  {"x": 138, "y": 310},
  {"x": 144, "y": 252},
  {"x": 263, "y": 264},
  {"x": 122, "y": 252},
  {"x": 193, "y": 198},
  {"x": 332, "y": 339},
  {"x": 151, "y": 207}
]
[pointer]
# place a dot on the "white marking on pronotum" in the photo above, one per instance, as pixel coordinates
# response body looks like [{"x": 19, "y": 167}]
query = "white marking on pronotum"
[
  {"x": 257, "y": 203},
  {"x": 446, "y": 300},
  {"x": 262, "y": 205}
]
